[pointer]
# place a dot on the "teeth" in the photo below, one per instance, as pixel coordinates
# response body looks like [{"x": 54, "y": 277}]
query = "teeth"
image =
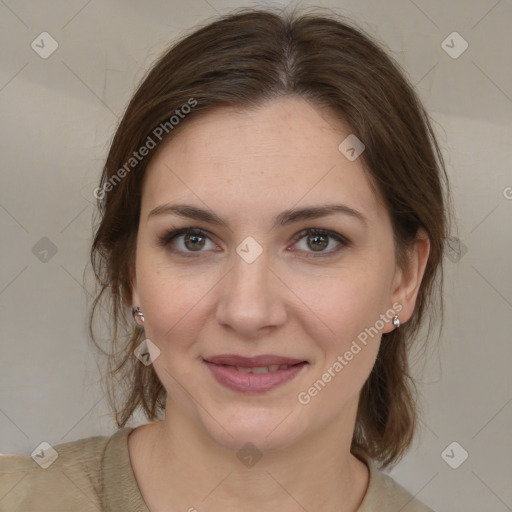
[
  {"x": 243, "y": 370},
  {"x": 262, "y": 369}
]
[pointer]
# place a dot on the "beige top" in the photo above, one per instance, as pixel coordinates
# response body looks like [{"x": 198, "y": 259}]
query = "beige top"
[{"x": 94, "y": 474}]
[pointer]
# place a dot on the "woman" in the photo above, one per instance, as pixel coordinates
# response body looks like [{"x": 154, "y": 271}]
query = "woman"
[{"x": 273, "y": 216}]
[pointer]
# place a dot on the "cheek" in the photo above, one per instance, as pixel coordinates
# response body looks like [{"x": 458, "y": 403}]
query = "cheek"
[
  {"x": 349, "y": 306},
  {"x": 172, "y": 296},
  {"x": 350, "y": 309},
  {"x": 344, "y": 303},
  {"x": 334, "y": 304}
]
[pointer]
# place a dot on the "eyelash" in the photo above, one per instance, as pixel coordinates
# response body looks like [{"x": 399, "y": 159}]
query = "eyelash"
[{"x": 166, "y": 239}]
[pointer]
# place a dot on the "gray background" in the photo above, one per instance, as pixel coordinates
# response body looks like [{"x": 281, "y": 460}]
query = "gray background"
[{"x": 58, "y": 117}]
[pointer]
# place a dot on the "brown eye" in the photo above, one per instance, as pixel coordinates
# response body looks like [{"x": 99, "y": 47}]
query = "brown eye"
[
  {"x": 193, "y": 241},
  {"x": 318, "y": 242},
  {"x": 186, "y": 241}
]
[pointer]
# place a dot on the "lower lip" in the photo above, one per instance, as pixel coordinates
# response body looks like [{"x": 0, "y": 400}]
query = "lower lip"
[{"x": 252, "y": 382}]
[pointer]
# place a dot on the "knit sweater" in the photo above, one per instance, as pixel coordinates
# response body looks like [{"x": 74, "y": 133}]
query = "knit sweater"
[{"x": 95, "y": 474}]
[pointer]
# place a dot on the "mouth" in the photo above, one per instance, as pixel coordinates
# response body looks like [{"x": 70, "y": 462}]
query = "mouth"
[
  {"x": 254, "y": 374},
  {"x": 261, "y": 369},
  {"x": 263, "y": 360}
]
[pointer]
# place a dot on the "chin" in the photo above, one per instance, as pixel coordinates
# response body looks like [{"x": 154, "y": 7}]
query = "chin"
[
  {"x": 251, "y": 440},
  {"x": 266, "y": 431}
]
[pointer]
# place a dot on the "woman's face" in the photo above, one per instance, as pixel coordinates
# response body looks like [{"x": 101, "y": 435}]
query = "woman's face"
[{"x": 251, "y": 285}]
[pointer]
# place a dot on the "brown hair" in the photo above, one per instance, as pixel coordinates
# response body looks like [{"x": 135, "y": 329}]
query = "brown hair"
[{"x": 243, "y": 59}]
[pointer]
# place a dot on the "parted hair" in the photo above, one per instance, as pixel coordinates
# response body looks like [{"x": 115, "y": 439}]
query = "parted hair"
[{"x": 244, "y": 59}]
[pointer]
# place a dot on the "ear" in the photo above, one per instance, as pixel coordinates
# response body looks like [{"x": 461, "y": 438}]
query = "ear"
[
  {"x": 135, "y": 299},
  {"x": 406, "y": 282}
]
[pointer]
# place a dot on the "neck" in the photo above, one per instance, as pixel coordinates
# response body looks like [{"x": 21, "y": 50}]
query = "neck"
[{"x": 183, "y": 466}]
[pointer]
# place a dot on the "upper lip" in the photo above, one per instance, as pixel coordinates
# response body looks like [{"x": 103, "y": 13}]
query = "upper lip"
[{"x": 252, "y": 362}]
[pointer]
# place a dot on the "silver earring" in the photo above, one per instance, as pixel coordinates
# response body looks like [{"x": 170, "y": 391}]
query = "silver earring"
[
  {"x": 137, "y": 311},
  {"x": 396, "y": 321}
]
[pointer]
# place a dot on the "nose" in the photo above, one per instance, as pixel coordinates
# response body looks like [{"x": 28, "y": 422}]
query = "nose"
[{"x": 253, "y": 299}]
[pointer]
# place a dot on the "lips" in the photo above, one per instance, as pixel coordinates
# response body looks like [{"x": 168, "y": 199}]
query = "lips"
[
  {"x": 252, "y": 362},
  {"x": 254, "y": 374}
]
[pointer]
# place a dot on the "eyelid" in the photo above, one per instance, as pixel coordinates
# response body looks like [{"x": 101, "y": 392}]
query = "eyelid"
[
  {"x": 322, "y": 231},
  {"x": 342, "y": 241},
  {"x": 166, "y": 239}
]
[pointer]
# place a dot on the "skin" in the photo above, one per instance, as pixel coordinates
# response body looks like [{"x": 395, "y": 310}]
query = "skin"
[{"x": 247, "y": 167}]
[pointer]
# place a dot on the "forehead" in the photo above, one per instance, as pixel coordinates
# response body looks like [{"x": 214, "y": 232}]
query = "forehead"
[{"x": 268, "y": 158}]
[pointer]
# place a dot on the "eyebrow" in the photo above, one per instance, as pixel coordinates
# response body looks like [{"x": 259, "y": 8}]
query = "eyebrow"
[{"x": 287, "y": 217}]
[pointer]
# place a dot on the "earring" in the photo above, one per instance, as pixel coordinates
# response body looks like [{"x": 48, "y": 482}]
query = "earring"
[
  {"x": 396, "y": 321},
  {"x": 137, "y": 311}
]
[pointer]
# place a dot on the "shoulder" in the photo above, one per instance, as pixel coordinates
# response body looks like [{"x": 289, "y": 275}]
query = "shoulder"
[
  {"x": 56, "y": 477},
  {"x": 387, "y": 495}
]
